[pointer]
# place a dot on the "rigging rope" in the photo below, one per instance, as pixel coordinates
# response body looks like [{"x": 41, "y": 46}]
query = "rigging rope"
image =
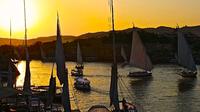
[
  {"x": 126, "y": 88},
  {"x": 130, "y": 96}
]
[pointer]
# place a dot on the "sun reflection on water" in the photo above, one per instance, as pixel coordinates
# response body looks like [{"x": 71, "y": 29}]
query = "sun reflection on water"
[{"x": 20, "y": 78}]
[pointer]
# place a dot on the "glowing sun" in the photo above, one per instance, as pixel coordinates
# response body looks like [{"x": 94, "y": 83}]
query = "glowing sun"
[{"x": 14, "y": 10}]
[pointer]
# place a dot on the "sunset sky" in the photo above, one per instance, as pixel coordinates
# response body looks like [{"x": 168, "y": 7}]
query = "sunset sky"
[{"x": 82, "y": 16}]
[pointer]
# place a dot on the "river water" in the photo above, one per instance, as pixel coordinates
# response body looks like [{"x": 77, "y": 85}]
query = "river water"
[{"x": 166, "y": 91}]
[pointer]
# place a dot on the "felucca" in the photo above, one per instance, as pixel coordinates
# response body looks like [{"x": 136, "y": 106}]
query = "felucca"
[
  {"x": 185, "y": 58},
  {"x": 139, "y": 57},
  {"x": 78, "y": 70}
]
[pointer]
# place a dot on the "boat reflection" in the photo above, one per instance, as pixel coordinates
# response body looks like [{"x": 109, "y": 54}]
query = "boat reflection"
[
  {"x": 185, "y": 99},
  {"x": 140, "y": 87},
  {"x": 186, "y": 84}
]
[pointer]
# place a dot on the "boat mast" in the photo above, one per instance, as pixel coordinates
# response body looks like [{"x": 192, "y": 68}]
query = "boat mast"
[
  {"x": 25, "y": 27},
  {"x": 27, "y": 82},
  {"x": 10, "y": 79},
  {"x": 113, "y": 32},
  {"x": 10, "y": 36},
  {"x": 114, "y": 87}
]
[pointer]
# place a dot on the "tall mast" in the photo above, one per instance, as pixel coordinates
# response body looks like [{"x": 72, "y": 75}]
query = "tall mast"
[
  {"x": 113, "y": 32},
  {"x": 27, "y": 80},
  {"x": 25, "y": 27},
  {"x": 113, "y": 85},
  {"x": 11, "y": 51},
  {"x": 10, "y": 32}
]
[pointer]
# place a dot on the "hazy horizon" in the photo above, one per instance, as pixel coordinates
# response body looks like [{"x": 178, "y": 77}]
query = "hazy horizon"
[{"x": 78, "y": 17}]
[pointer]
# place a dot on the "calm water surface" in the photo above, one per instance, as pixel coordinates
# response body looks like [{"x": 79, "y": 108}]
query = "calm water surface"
[{"x": 164, "y": 92}]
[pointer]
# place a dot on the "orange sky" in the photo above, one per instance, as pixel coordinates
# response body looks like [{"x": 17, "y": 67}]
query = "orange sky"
[{"x": 81, "y": 16}]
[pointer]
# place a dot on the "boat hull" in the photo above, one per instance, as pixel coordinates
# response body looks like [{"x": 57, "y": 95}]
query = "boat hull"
[
  {"x": 82, "y": 84},
  {"x": 82, "y": 87},
  {"x": 139, "y": 74},
  {"x": 188, "y": 74}
]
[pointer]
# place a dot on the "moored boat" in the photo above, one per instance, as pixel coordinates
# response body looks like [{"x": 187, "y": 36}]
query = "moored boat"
[
  {"x": 185, "y": 58},
  {"x": 82, "y": 84},
  {"x": 78, "y": 69},
  {"x": 139, "y": 57}
]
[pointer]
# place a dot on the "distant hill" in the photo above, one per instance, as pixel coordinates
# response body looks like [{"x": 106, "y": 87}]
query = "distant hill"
[
  {"x": 162, "y": 30},
  {"x": 16, "y": 42}
]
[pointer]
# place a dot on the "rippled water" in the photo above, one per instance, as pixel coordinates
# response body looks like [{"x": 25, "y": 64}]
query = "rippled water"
[{"x": 164, "y": 92}]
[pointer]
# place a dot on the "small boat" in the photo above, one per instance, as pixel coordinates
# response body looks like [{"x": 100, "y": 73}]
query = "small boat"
[
  {"x": 139, "y": 58},
  {"x": 82, "y": 84},
  {"x": 185, "y": 58},
  {"x": 78, "y": 70}
]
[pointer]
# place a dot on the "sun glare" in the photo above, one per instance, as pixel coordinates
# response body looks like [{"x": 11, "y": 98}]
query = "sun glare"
[{"x": 13, "y": 10}]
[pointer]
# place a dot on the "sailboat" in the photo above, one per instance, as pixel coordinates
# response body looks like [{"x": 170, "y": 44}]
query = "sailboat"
[
  {"x": 78, "y": 70},
  {"x": 114, "y": 98},
  {"x": 185, "y": 58},
  {"x": 139, "y": 58},
  {"x": 8, "y": 70}
]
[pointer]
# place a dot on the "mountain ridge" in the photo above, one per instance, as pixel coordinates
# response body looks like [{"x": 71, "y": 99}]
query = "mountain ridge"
[{"x": 68, "y": 38}]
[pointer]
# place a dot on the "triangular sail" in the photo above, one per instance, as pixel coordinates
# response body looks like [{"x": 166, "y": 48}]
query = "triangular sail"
[
  {"x": 123, "y": 54},
  {"x": 139, "y": 57},
  {"x": 185, "y": 57},
  {"x": 62, "y": 72},
  {"x": 114, "y": 87},
  {"x": 79, "y": 55},
  {"x": 52, "y": 89}
]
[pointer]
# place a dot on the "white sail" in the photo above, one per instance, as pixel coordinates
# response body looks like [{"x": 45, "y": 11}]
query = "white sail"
[
  {"x": 139, "y": 57},
  {"x": 62, "y": 72},
  {"x": 123, "y": 54},
  {"x": 185, "y": 57},
  {"x": 79, "y": 55}
]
